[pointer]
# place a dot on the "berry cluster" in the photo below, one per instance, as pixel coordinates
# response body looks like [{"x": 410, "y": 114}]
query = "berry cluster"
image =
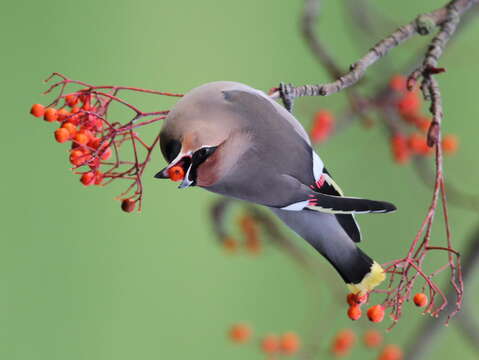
[
  {"x": 271, "y": 345},
  {"x": 407, "y": 105},
  {"x": 96, "y": 143},
  {"x": 376, "y": 312},
  {"x": 344, "y": 341}
]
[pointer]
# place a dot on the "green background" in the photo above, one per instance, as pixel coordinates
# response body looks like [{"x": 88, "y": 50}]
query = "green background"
[{"x": 82, "y": 280}]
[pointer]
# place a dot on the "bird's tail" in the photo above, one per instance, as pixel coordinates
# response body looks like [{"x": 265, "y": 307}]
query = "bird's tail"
[{"x": 325, "y": 234}]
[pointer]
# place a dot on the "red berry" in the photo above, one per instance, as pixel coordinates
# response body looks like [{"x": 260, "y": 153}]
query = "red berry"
[
  {"x": 354, "y": 312},
  {"x": 79, "y": 156},
  {"x": 88, "y": 178},
  {"x": 240, "y": 333},
  {"x": 81, "y": 138},
  {"x": 50, "y": 115},
  {"x": 376, "y": 313},
  {"x": 270, "y": 344},
  {"x": 323, "y": 124},
  {"x": 409, "y": 104},
  {"x": 400, "y": 148},
  {"x": 71, "y": 100},
  {"x": 176, "y": 173},
  {"x": 98, "y": 177},
  {"x": 391, "y": 352},
  {"x": 342, "y": 342},
  {"x": 62, "y": 135},
  {"x": 351, "y": 299},
  {"x": 106, "y": 154},
  {"x": 372, "y": 338},
  {"x": 72, "y": 129},
  {"x": 128, "y": 205},
  {"x": 289, "y": 343},
  {"x": 420, "y": 300},
  {"x": 398, "y": 83},
  {"x": 418, "y": 144},
  {"x": 450, "y": 144},
  {"x": 62, "y": 114},
  {"x": 37, "y": 110}
]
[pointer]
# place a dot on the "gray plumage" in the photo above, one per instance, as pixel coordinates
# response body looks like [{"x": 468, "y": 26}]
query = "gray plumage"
[{"x": 234, "y": 140}]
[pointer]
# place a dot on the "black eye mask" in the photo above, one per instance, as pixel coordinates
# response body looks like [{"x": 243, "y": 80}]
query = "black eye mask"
[
  {"x": 198, "y": 158},
  {"x": 172, "y": 149}
]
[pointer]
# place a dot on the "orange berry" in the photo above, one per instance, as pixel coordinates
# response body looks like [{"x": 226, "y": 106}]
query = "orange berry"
[
  {"x": 354, "y": 312},
  {"x": 75, "y": 110},
  {"x": 424, "y": 124},
  {"x": 289, "y": 343},
  {"x": 391, "y": 352},
  {"x": 450, "y": 144},
  {"x": 88, "y": 178},
  {"x": 81, "y": 138},
  {"x": 128, "y": 205},
  {"x": 62, "y": 135},
  {"x": 106, "y": 154},
  {"x": 230, "y": 244},
  {"x": 79, "y": 156},
  {"x": 376, "y": 313},
  {"x": 323, "y": 123},
  {"x": 398, "y": 83},
  {"x": 356, "y": 299},
  {"x": 62, "y": 114},
  {"x": 37, "y": 110},
  {"x": 71, "y": 100},
  {"x": 418, "y": 144},
  {"x": 399, "y": 147},
  {"x": 342, "y": 342},
  {"x": 50, "y": 115},
  {"x": 76, "y": 157},
  {"x": 240, "y": 333},
  {"x": 72, "y": 129},
  {"x": 372, "y": 338},
  {"x": 351, "y": 299},
  {"x": 176, "y": 173},
  {"x": 270, "y": 344},
  {"x": 98, "y": 177},
  {"x": 420, "y": 300},
  {"x": 409, "y": 104}
]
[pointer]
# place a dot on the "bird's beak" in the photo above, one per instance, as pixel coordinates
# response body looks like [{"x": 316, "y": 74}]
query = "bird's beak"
[
  {"x": 184, "y": 160},
  {"x": 162, "y": 174}
]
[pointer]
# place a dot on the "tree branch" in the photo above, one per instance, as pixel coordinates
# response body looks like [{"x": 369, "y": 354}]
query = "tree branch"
[
  {"x": 419, "y": 26},
  {"x": 426, "y": 334}
]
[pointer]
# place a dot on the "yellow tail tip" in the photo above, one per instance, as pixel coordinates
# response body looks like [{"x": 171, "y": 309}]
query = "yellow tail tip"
[{"x": 372, "y": 279}]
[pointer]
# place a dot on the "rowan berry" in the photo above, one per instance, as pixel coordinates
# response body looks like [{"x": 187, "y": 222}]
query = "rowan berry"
[
  {"x": 420, "y": 300},
  {"x": 270, "y": 344},
  {"x": 50, "y": 115},
  {"x": 128, "y": 205},
  {"x": 354, "y": 312},
  {"x": 62, "y": 135},
  {"x": 37, "y": 110},
  {"x": 88, "y": 178},
  {"x": 240, "y": 333},
  {"x": 289, "y": 343},
  {"x": 176, "y": 173},
  {"x": 376, "y": 313},
  {"x": 372, "y": 338}
]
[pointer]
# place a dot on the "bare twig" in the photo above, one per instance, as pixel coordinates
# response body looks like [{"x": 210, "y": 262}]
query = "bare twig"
[
  {"x": 437, "y": 17},
  {"x": 423, "y": 338}
]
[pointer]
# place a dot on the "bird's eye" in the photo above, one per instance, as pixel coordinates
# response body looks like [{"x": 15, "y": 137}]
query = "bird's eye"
[{"x": 202, "y": 154}]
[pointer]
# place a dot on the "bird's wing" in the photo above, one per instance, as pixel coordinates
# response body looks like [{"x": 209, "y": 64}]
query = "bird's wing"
[{"x": 347, "y": 221}]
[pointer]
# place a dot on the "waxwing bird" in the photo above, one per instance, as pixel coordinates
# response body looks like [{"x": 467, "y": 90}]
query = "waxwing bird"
[{"x": 234, "y": 140}]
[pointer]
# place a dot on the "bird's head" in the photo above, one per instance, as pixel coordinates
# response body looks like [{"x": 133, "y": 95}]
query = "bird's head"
[{"x": 195, "y": 128}]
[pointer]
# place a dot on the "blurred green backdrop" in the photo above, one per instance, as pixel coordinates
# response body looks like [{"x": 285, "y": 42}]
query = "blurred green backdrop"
[{"x": 82, "y": 280}]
